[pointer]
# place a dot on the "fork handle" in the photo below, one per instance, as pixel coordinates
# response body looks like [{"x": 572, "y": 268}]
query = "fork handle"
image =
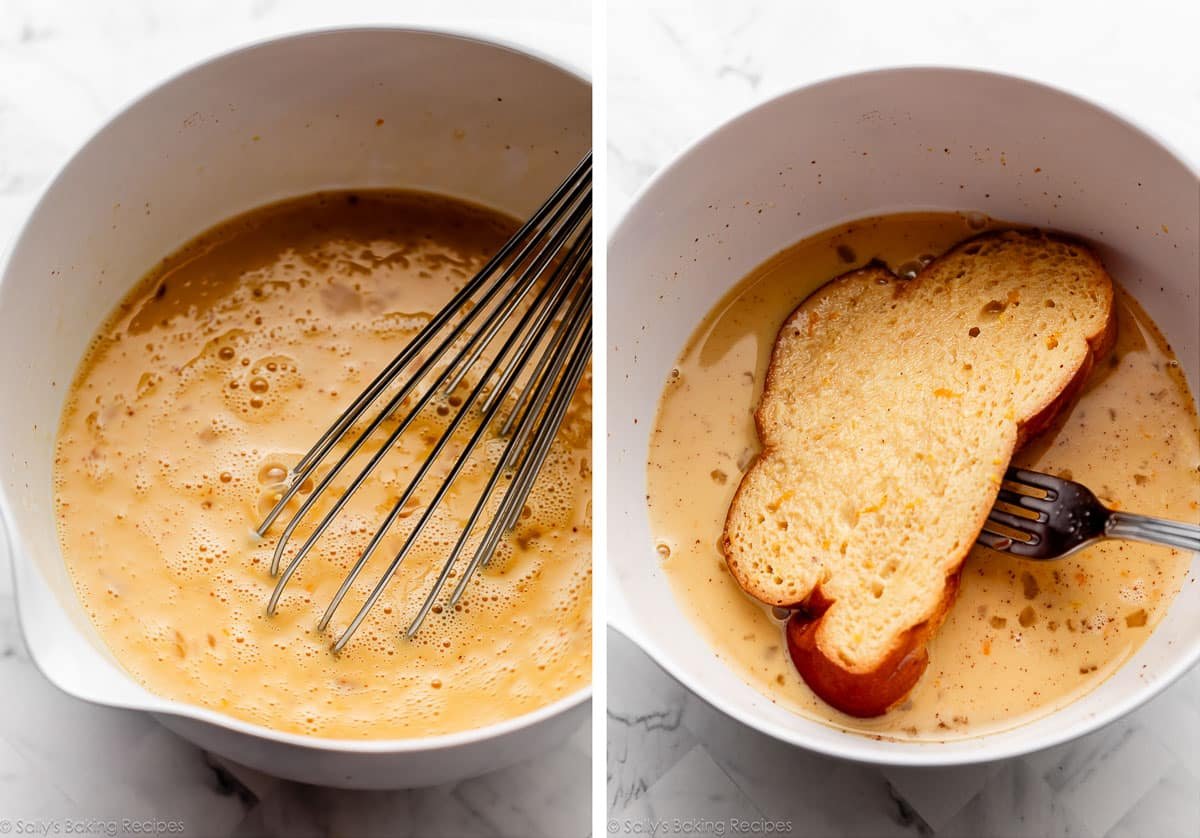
[{"x": 1153, "y": 530}]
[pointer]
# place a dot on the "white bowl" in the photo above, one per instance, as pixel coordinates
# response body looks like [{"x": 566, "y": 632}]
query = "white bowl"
[
  {"x": 461, "y": 116},
  {"x": 1099, "y": 177}
]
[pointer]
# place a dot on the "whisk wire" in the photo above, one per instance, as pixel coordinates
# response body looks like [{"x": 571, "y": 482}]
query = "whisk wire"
[
  {"x": 554, "y": 305},
  {"x": 535, "y": 372},
  {"x": 571, "y": 267},
  {"x": 497, "y": 316},
  {"x": 480, "y": 340},
  {"x": 580, "y": 174},
  {"x": 346, "y": 420},
  {"x": 377, "y": 458},
  {"x": 514, "y": 499},
  {"x": 576, "y": 318}
]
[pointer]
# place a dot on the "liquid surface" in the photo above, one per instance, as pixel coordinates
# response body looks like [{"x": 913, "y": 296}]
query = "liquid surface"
[
  {"x": 1023, "y": 638},
  {"x": 213, "y": 377}
]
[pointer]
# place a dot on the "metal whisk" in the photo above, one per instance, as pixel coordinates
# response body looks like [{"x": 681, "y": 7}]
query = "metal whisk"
[{"x": 533, "y": 300}]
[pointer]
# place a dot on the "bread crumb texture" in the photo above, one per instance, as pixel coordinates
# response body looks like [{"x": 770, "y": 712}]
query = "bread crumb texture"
[{"x": 890, "y": 411}]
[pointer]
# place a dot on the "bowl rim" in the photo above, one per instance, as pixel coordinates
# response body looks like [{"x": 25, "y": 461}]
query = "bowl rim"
[
  {"x": 1190, "y": 162},
  {"x": 857, "y": 746},
  {"x": 157, "y": 704}
]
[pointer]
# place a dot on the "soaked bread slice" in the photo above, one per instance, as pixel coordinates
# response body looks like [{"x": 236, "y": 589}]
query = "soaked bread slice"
[{"x": 890, "y": 411}]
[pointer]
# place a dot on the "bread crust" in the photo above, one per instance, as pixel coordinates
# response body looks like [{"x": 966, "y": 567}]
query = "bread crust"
[{"x": 873, "y": 692}]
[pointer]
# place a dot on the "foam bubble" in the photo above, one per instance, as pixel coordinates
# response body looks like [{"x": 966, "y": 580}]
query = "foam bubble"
[{"x": 186, "y": 480}]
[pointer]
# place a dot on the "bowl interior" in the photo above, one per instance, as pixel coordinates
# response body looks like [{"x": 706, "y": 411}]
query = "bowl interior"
[
  {"x": 339, "y": 109},
  {"x": 865, "y": 145}
]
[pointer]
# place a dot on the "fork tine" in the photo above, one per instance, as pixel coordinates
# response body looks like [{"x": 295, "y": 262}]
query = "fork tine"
[
  {"x": 1038, "y": 505},
  {"x": 1022, "y": 549},
  {"x": 1013, "y": 522},
  {"x": 994, "y": 540},
  {"x": 1068, "y": 518},
  {"x": 1046, "y": 482}
]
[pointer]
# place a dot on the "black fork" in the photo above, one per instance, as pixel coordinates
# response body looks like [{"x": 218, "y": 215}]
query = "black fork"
[{"x": 1039, "y": 516}]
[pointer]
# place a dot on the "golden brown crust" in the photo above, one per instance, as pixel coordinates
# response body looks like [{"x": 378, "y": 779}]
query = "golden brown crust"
[
  {"x": 873, "y": 692},
  {"x": 1101, "y": 344}
]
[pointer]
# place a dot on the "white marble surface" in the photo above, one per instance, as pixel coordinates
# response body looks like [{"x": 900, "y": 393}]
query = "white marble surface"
[
  {"x": 676, "y": 69},
  {"x": 67, "y": 766}
]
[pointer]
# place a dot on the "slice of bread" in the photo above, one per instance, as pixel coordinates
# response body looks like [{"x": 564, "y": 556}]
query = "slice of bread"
[{"x": 890, "y": 411}]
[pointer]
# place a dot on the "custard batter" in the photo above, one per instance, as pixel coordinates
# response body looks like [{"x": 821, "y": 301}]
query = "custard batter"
[
  {"x": 214, "y": 375},
  {"x": 1023, "y": 637}
]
